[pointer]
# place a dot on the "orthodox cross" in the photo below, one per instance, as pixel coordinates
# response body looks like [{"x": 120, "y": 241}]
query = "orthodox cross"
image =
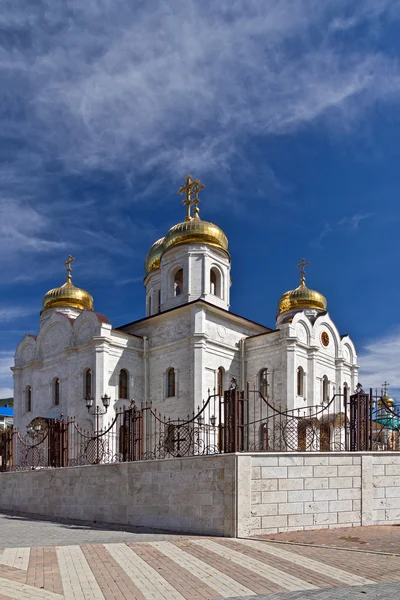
[
  {"x": 303, "y": 264},
  {"x": 68, "y": 264},
  {"x": 385, "y": 387},
  {"x": 191, "y": 188}
]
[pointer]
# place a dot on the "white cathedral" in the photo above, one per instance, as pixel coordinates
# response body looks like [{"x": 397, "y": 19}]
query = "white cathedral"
[{"x": 188, "y": 342}]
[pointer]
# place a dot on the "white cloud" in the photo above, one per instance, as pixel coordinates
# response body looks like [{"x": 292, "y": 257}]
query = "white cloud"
[
  {"x": 6, "y": 392},
  {"x": 6, "y": 361},
  {"x": 13, "y": 313},
  {"x": 380, "y": 361}
]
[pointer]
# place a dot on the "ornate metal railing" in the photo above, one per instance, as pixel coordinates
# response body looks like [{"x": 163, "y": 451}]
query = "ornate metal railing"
[{"x": 235, "y": 422}]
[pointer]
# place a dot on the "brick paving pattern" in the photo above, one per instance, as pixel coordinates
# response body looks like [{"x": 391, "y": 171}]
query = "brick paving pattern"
[{"x": 141, "y": 566}]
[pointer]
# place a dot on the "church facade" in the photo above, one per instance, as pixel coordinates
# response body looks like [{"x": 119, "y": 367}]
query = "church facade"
[{"x": 188, "y": 343}]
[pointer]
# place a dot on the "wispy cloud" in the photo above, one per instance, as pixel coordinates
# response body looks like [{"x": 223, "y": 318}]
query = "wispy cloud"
[
  {"x": 139, "y": 89},
  {"x": 379, "y": 361},
  {"x": 12, "y": 313},
  {"x": 349, "y": 223},
  {"x": 6, "y": 361}
]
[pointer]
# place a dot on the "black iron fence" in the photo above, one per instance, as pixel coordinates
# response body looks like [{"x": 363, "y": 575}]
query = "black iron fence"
[{"x": 238, "y": 421}]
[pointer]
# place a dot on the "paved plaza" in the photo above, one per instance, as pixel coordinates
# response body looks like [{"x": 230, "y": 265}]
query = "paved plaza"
[{"x": 44, "y": 560}]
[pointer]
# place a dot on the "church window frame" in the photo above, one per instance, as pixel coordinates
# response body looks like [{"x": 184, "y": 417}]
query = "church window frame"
[
  {"x": 346, "y": 388},
  {"x": 56, "y": 391},
  {"x": 28, "y": 395},
  {"x": 325, "y": 389},
  {"x": 216, "y": 282},
  {"x": 300, "y": 381},
  {"x": 178, "y": 282},
  {"x": 170, "y": 383},
  {"x": 88, "y": 383},
  {"x": 123, "y": 384},
  {"x": 263, "y": 382},
  {"x": 149, "y": 306}
]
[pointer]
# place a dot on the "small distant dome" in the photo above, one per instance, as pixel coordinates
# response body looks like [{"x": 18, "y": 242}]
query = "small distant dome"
[
  {"x": 386, "y": 400},
  {"x": 302, "y": 297},
  {"x": 196, "y": 231},
  {"x": 153, "y": 257},
  {"x": 68, "y": 295}
]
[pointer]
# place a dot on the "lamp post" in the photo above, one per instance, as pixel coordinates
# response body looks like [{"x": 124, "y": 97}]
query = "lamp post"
[{"x": 97, "y": 412}]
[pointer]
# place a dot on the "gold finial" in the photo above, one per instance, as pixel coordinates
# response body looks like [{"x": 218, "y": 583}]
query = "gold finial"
[
  {"x": 303, "y": 263},
  {"x": 191, "y": 188},
  {"x": 68, "y": 264}
]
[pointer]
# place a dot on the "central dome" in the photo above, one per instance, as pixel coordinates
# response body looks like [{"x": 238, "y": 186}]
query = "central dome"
[
  {"x": 302, "y": 297},
  {"x": 191, "y": 231}
]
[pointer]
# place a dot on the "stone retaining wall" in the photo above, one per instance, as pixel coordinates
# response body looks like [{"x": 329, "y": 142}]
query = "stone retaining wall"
[{"x": 230, "y": 495}]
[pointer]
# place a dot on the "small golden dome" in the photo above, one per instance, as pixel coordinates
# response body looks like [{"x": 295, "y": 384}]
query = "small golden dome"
[
  {"x": 196, "y": 231},
  {"x": 386, "y": 400},
  {"x": 302, "y": 297},
  {"x": 153, "y": 257},
  {"x": 68, "y": 295}
]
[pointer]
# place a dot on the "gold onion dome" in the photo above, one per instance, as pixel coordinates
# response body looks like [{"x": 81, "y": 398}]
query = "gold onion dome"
[
  {"x": 191, "y": 231},
  {"x": 386, "y": 400},
  {"x": 302, "y": 297},
  {"x": 68, "y": 295}
]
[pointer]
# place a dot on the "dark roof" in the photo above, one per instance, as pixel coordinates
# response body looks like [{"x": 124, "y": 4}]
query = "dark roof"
[
  {"x": 102, "y": 318},
  {"x": 198, "y": 301}
]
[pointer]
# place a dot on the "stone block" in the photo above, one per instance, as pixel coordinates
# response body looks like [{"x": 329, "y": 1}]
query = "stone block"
[
  {"x": 256, "y": 472},
  {"x": 391, "y": 492},
  {"x": 316, "y": 507},
  {"x": 378, "y": 469},
  {"x": 272, "y": 497},
  {"x": 316, "y": 483},
  {"x": 349, "y": 494},
  {"x": 301, "y": 496},
  {"x": 300, "y": 520},
  {"x": 256, "y": 497},
  {"x": 291, "y": 508},
  {"x": 393, "y": 515},
  {"x": 349, "y": 471},
  {"x": 383, "y": 481},
  {"x": 264, "y": 485},
  {"x": 291, "y": 461},
  {"x": 264, "y": 461},
  {"x": 356, "y": 504},
  {"x": 280, "y": 521},
  {"x": 325, "y": 471},
  {"x": 321, "y": 495},
  {"x": 264, "y": 510},
  {"x": 274, "y": 472},
  {"x": 340, "y": 482},
  {"x": 325, "y": 518},
  {"x": 356, "y": 460},
  {"x": 317, "y": 461},
  {"x": 291, "y": 484},
  {"x": 357, "y": 482},
  {"x": 392, "y": 469},
  {"x": 340, "y": 460},
  {"x": 300, "y": 472},
  {"x": 340, "y": 505}
]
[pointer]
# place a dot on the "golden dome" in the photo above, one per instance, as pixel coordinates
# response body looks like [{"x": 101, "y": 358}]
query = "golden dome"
[
  {"x": 386, "y": 400},
  {"x": 191, "y": 231},
  {"x": 196, "y": 231},
  {"x": 302, "y": 297},
  {"x": 68, "y": 295},
  {"x": 153, "y": 257}
]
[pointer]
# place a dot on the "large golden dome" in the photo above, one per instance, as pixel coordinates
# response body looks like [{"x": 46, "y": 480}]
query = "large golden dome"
[
  {"x": 191, "y": 231},
  {"x": 68, "y": 295},
  {"x": 302, "y": 297}
]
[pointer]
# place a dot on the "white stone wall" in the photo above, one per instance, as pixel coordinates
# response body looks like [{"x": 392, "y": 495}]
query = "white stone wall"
[
  {"x": 290, "y": 492},
  {"x": 193, "y": 495}
]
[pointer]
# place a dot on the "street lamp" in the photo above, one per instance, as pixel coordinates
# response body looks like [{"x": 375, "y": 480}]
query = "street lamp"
[{"x": 97, "y": 412}]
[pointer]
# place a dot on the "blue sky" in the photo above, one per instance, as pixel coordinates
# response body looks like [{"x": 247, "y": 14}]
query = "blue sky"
[{"x": 287, "y": 111}]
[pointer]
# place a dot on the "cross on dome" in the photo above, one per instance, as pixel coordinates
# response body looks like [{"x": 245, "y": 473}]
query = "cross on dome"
[
  {"x": 68, "y": 264},
  {"x": 385, "y": 387},
  {"x": 191, "y": 187},
  {"x": 303, "y": 263}
]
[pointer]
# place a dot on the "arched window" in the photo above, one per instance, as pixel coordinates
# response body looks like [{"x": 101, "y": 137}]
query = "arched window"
[
  {"x": 325, "y": 389},
  {"x": 28, "y": 392},
  {"x": 178, "y": 283},
  {"x": 56, "y": 392},
  {"x": 346, "y": 390},
  {"x": 215, "y": 282},
  {"x": 149, "y": 306},
  {"x": 123, "y": 384},
  {"x": 300, "y": 381},
  {"x": 88, "y": 382},
  {"x": 159, "y": 301},
  {"x": 170, "y": 383},
  {"x": 220, "y": 381},
  {"x": 263, "y": 382}
]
